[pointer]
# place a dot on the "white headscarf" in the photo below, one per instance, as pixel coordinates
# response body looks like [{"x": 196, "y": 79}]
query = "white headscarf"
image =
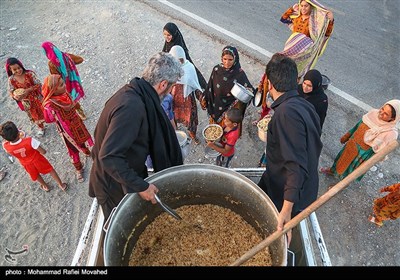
[
  {"x": 189, "y": 79},
  {"x": 381, "y": 133}
]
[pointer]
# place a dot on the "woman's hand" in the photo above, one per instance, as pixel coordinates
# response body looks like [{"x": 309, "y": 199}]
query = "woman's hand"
[
  {"x": 329, "y": 14},
  {"x": 19, "y": 97},
  {"x": 345, "y": 138},
  {"x": 203, "y": 103}
]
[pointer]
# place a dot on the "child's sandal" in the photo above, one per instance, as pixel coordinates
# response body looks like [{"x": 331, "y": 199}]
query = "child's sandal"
[
  {"x": 79, "y": 176},
  {"x": 372, "y": 219},
  {"x": 64, "y": 187},
  {"x": 196, "y": 141},
  {"x": 46, "y": 189}
]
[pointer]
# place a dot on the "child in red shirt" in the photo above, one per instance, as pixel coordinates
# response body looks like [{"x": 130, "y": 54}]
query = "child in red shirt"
[
  {"x": 30, "y": 154},
  {"x": 226, "y": 146}
]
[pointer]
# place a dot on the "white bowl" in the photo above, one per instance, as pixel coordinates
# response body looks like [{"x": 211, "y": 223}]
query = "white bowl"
[
  {"x": 213, "y": 125},
  {"x": 257, "y": 99}
]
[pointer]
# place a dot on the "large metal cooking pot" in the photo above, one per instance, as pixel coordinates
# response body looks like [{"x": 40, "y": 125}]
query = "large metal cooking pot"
[{"x": 186, "y": 185}]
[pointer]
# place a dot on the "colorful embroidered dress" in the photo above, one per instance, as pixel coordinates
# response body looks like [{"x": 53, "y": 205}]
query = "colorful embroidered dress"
[
  {"x": 388, "y": 207},
  {"x": 305, "y": 48},
  {"x": 59, "y": 108},
  {"x": 32, "y": 104},
  {"x": 185, "y": 92},
  {"x": 366, "y": 138}
]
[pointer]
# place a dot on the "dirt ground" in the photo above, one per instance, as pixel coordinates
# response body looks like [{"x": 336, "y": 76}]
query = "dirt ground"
[{"x": 116, "y": 38}]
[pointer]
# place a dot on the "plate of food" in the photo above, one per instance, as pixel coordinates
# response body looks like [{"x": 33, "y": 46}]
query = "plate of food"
[
  {"x": 19, "y": 93},
  {"x": 263, "y": 127},
  {"x": 213, "y": 132}
]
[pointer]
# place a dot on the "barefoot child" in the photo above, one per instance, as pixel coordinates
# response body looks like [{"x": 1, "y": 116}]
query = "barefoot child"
[{"x": 30, "y": 154}]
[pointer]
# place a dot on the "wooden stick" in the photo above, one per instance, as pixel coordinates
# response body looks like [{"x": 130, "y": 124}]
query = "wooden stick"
[{"x": 364, "y": 167}]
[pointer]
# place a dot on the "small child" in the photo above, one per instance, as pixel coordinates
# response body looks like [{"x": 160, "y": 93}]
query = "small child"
[
  {"x": 26, "y": 89},
  {"x": 167, "y": 104},
  {"x": 226, "y": 147},
  {"x": 388, "y": 206},
  {"x": 30, "y": 154}
]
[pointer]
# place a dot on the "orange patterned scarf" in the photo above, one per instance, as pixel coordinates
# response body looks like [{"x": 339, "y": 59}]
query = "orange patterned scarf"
[{"x": 50, "y": 86}]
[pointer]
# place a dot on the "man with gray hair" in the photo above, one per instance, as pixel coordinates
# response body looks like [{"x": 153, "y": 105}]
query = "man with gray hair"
[{"x": 132, "y": 126}]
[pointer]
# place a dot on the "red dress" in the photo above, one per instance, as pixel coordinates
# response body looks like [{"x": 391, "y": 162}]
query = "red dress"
[{"x": 32, "y": 104}]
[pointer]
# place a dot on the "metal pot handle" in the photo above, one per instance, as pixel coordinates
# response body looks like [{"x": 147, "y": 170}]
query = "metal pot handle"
[
  {"x": 290, "y": 258},
  {"x": 107, "y": 223}
]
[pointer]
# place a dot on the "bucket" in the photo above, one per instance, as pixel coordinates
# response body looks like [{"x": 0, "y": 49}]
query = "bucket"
[
  {"x": 184, "y": 142},
  {"x": 192, "y": 184},
  {"x": 325, "y": 82},
  {"x": 241, "y": 93},
  {"x": 210, "y": 153}
]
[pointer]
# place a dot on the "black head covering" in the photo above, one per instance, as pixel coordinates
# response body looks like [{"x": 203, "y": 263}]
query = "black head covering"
[
  {"x": 233, "y": 51},
  {"x": 218, "y": 91},
  {"x": 317, "y": 96},
  {"x": 177, "y": 40},
  {"x": 315, "y": 77}
]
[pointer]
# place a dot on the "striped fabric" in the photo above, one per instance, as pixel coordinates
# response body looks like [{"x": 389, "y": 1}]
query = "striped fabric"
[{"x": 303, "y": 50}]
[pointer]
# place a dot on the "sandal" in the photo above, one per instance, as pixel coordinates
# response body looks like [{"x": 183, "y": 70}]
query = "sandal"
[
  {"x": 79, "y": 176},
  {"x": 46, "y": 189},
  {"x": 372, "y": 219},
  {"x": 196, "y": 141},
  {"x": 2, "y": 175},
  {"x": 40, "y": 132},
  {"x": 326, "y": 171},
  {"x": 64, "y": 187}
]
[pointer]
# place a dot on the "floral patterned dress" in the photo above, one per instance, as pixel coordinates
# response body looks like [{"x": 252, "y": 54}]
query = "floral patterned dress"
[{"x": 31, "y": 104}]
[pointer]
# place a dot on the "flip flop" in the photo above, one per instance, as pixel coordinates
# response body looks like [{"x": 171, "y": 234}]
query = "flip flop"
[
  {"x": 196, "y": 141},
  {"x": 2, "y": 175},
  {"x": 46, "y": 189},
  {"x": 79, "y": 176},
  {"x": 64, "y": 187},
  {"x": 373, "y": 220}
]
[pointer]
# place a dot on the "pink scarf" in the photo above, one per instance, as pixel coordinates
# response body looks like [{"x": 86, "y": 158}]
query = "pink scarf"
[{"x": 381, "y": 133}]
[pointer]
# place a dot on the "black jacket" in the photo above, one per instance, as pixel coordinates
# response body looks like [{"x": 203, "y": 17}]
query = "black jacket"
[
  {"x": 293, "y": 150},
  {"x": 131, "y": 126}
]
